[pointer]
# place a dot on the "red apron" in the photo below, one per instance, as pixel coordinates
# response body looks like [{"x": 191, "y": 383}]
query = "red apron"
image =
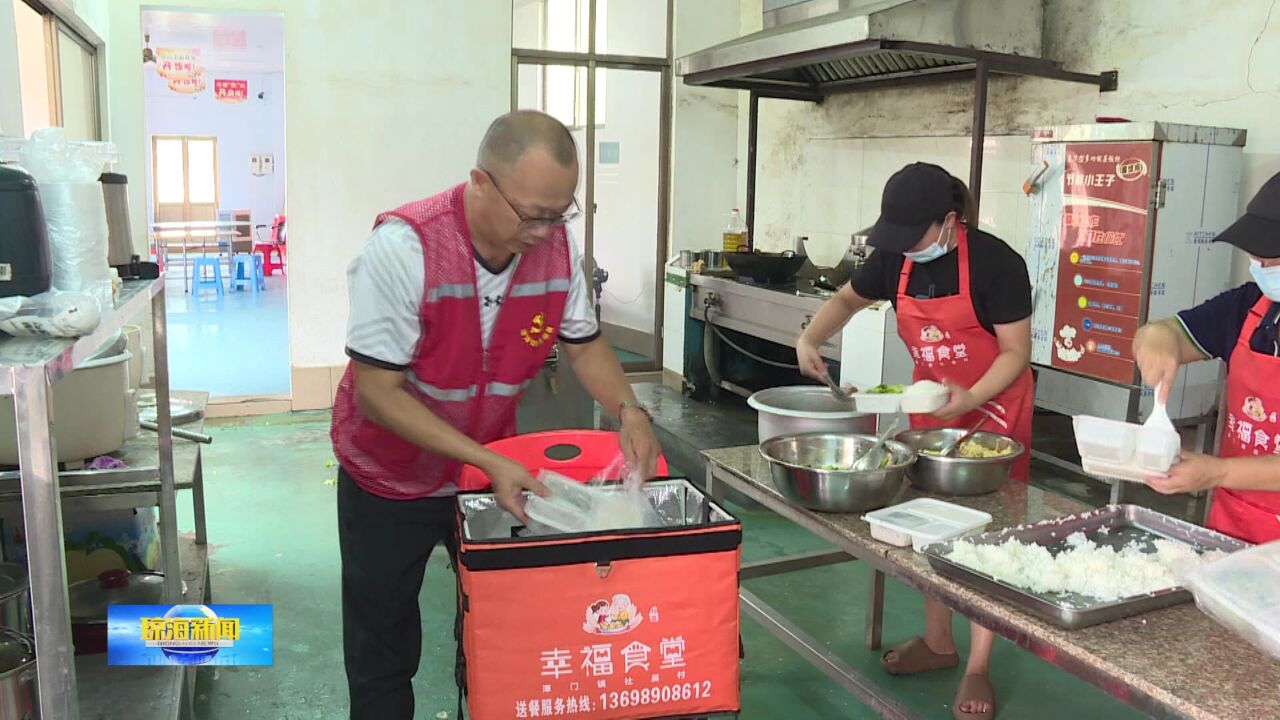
[
  {"x": 1253, "y": 400},
  {"x": 947, "y": 343}
]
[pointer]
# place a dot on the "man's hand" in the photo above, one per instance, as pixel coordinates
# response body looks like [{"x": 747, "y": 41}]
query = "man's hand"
[
  {"x": 1196, "y": 472},
  {"x": 961, "y": 402},
  {"x": 1159, "y": 350},
  {"x": 638, "y": 443},
  {"x": 811, "y": 362},
  {"x": 510, "y": 479}
]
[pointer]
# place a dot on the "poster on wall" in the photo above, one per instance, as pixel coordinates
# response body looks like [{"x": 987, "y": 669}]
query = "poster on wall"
[
  {"x": 182, "y": 69},
  {"x": 230, "y": 91},
  {"x": 1106, "y": 191}
]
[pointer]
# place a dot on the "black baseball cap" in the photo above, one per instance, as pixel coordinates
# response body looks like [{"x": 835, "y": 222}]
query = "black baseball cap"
[
  {"x": 1257, "y": 232},
  {"x": 915, "y": 197}
]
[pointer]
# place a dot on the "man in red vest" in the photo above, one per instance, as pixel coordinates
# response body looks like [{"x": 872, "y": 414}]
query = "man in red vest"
[{"x": 456, "y": 301}]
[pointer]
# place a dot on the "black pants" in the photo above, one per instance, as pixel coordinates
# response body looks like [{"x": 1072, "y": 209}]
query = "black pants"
[{"x": 385, "y": 546}]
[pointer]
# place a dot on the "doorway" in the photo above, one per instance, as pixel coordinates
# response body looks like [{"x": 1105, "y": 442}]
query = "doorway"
[
  {"x": 603, "y": 68},
  {"x": 214, "y": 94}
]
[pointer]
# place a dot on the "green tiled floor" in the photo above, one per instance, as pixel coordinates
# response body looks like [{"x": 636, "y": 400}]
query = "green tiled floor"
[{"x": 272, "y": 523}]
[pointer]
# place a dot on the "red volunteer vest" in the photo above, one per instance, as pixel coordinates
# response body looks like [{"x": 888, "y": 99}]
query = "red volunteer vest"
[
  {"x": 473, "y": 389},
  {"x": 948, "y": 343},
  {"x": 1253, "y": 408}
]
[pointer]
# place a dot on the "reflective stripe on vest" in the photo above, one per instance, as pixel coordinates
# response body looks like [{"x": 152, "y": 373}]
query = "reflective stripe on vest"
[
  {"x": 454, "y": 290},
  {"x": 540, "y": 288},
  {"x": 441, "y": 394},
  {"x": 499, "y": 389}
]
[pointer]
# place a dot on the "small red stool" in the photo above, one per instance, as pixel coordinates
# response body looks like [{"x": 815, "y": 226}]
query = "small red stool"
[
  {"x": 589, "y": 451},
  {"x": 269, "y": 265}
]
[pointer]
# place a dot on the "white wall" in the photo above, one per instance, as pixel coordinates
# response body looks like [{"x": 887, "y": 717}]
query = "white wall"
[
  {"x": 250, "y": 127},
  {"x": 10, "y": 88},
  {"x": 704, "y": 133},
  {"x": 626, "y": 193},
  {"x": 385, "y": 102},
  {"x": 1188, "y": 61}
]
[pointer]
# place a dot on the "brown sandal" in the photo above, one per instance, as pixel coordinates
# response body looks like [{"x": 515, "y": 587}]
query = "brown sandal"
[
  {"x": 915, "y": 656},
  {"x": 974, "y": 688}
]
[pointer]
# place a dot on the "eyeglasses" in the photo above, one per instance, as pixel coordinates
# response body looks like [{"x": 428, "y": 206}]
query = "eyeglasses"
[{"x": 536, "y": 223}]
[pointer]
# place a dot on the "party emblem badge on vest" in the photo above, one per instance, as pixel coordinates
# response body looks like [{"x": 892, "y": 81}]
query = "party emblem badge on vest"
[{"x": 538, "y": 331}]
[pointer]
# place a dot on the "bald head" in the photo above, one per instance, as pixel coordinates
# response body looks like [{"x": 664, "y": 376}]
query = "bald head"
[{"x": 513, "y": 134}]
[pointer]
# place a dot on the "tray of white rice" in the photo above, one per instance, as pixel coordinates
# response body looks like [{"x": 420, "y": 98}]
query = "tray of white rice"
[{"x": 1085, "y": 569}]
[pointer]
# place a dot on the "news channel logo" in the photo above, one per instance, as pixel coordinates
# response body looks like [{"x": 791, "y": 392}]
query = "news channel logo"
[{"x": 190, "y": 635}]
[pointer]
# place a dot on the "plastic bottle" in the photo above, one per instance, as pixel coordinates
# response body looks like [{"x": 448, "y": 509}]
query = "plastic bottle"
[{"x": 735, "y": 233}]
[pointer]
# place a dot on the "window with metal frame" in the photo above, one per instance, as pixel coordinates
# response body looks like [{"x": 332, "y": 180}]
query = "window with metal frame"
[{"x": 58, "y": 73}]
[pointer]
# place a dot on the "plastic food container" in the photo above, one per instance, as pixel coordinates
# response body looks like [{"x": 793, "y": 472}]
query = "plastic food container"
[
  {"x": 921, "y": 403},
  {"x": 925, "y": 521},
  {"x": 1242, "y": 591},
  {"x": 1124, "y": 451},
  {"x": 878, "y": 404},
  {"x": 559, "y": 516}
]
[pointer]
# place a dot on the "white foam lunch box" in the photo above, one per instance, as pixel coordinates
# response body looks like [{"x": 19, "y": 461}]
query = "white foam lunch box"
[
  {"x": 1122, "y": 450},
  {"x": 925, "y": 521}
]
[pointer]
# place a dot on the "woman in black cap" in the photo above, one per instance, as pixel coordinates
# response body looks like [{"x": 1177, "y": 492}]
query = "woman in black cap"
[
  {"x": 963, "y": 303},
  {"x": 1238, "y": 327}
]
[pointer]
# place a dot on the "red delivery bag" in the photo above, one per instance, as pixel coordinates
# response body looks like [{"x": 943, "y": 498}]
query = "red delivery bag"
[{"x": 619, "y": 625}]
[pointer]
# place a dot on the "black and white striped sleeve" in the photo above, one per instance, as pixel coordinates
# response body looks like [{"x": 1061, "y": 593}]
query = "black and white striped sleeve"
[{"x": 385, "y": 283}]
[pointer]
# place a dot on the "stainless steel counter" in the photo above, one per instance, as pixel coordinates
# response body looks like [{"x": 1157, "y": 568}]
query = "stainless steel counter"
[{"x": 1172, "y": 663}]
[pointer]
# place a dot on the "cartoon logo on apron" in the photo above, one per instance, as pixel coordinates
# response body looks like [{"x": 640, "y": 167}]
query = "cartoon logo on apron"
[
  {"x": 1249, "y": 432},
  {"x": 932, "y": 334},
  {"x": 538, "y": 331}
]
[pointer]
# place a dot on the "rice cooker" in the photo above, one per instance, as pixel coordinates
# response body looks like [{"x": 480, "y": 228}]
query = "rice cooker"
[{"x": 25, "y": 269}]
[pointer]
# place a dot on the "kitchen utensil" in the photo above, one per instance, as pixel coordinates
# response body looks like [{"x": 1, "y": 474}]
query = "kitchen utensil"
[
  {"x": 805, "y": 409},
  {"x": 178, "y": 432},
  {"x": 89, "y": 600},
  {"x": 959, "y": 475},
  {"x": 951, "y": 449},
  {"x": 797, "y": 464},
  {"x": 115, "y": 195},
  {"x": 870, "y": 460},
  {"x": 826, "y": 250},
  {"x": 1242, "y": 591},
  {"x": 765, "y": 268},
  {"x": 15, "y": 598},
  {"x": 24, "y": 245},
  {"x": 925, "y": 521},
  {"x": 89, "y": 407},
  {"x": 836, "y": 391},
  {"x": 1115, "y": 526},
  {"x": 17, "y": 675},
  {"x": 181, "y": 410},
  {"x": 1159, "y": 417}
]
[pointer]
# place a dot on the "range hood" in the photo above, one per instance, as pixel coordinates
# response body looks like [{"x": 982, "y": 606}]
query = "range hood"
[{"x": 811, "y": 48}]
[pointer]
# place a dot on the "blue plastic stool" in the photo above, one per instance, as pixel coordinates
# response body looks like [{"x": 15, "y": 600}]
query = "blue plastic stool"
[
  {"x": 246, "y": 269},
  {"x": 200, "y": 281}
]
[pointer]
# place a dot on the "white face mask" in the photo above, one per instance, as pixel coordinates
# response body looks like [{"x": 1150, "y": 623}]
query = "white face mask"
[
  {"x": 1268, "y": 279},
  {"x": 934, "y": 251}
]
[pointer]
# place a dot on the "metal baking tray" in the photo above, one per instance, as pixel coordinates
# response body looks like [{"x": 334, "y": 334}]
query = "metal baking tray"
[{"x": 1113, "y": 525}]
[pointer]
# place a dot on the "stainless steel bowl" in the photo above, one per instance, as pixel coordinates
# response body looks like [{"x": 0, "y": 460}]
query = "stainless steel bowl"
[
  {"x": 957, "y": 475},
  {"x": 796, "y": 463}
]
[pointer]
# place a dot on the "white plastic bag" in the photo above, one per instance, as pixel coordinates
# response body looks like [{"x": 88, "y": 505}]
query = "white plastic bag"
[
  {"x": 74, "y": 211},
  {"x": 1242, "y": 592},
  {"x": 50, "y": 314},
  {"x": 597, "y": 506}
]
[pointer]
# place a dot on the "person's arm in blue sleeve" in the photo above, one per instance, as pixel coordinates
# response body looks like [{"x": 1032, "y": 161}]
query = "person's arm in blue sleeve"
[{"x": 1208, "y": 330}]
